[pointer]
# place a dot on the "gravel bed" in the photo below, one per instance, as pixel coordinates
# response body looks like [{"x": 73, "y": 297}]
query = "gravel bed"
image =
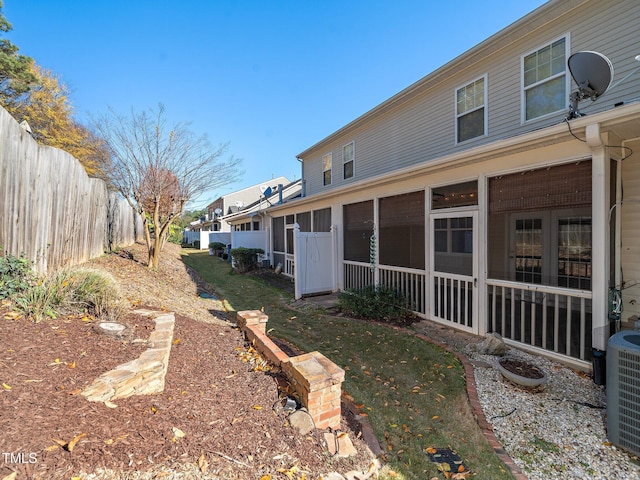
[{"x": 556, "y": 431}]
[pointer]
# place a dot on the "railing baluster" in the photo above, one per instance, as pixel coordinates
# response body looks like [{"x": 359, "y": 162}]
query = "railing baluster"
[
  {"x": 503, "y": 309},
  {"x": 533, "y": 318},
  {"x": 544, "y": 320},
  {"x": 582, "y": 327},
  {"x": 523, "y": 314},
  {"x": 512, "y": 320},
  {"x": 568, "y": 350},
  {"x": 556, "y": 319}
]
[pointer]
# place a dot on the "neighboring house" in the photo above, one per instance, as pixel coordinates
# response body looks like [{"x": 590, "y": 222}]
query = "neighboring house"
[
  {"x": 250, "y": 217},
  {"x": 471, "y": 193},
  {"x": 228, "y": 206},
  {"x": 238, "y": 219}
]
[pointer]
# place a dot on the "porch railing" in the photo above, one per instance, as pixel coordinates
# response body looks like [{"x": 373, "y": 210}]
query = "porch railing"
[
  {"x": 410, "y": 283},
  {"x": 357, "y": 275},
  {"x": 551, "y": 318},
  {"x": 286, "y": 262},
  {"x": 289, "y": 265},
  {"x": 453, "y": 300}
]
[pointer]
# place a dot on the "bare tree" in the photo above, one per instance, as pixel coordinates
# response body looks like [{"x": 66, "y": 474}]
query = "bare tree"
[{"x": 159, "y": 169}]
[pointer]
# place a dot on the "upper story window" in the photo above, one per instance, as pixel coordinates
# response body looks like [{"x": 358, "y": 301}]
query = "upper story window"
[
  {"x": 471, "y": 118},
  {"x": 327, "y": 160},
  {"x": 348, "y": 158},
  {"x": 545, "y": 80}
]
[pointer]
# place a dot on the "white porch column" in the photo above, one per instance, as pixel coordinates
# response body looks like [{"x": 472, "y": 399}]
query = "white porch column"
[
  {"x": 336, "y": 219},
  {"x": 600, "y": 257},
  {"x": 298, "y": 268},
  {"x": 335, "y": 259}
]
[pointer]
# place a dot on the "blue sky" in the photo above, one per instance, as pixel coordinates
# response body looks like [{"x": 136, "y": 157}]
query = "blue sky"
[{"x": 271, "y": 78}]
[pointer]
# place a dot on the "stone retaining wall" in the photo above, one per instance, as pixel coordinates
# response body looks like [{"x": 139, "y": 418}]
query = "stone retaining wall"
[{"x": 143, "y": 376}]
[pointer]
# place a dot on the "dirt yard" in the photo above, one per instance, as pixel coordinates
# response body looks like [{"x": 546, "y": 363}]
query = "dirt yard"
[{"x": 215, "y": 418}]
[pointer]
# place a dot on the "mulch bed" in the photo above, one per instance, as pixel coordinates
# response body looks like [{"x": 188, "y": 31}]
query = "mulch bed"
[{"x": 223, "y": 407}]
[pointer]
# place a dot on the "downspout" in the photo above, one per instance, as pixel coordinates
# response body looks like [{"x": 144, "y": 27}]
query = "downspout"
[{"x": 601, "y": 260}]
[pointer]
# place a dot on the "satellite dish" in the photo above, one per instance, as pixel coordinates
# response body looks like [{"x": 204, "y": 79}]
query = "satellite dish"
[
  {"x": 265, "y": 190},
  {"x": 217, "y": 211},
  {"x": 593, "y": 73},
  {"x": 239, "y": 204}
]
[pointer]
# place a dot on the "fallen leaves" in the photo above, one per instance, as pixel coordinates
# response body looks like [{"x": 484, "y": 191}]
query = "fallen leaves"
[
  {"x": 202, "y": 463},
  {"x": 12, "y": 315},
  {"x": 177, "y": 433},
  {"x": 68, "y": 446}
]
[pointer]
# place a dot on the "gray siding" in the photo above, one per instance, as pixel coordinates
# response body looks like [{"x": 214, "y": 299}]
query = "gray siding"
[
  {"x": 422, "y": 127},
  {"x": 630, "y": 252}
]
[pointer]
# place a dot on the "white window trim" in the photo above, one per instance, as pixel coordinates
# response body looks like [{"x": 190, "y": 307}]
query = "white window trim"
[
  {"x": 567, "y": 87},
  {"x": 330, "y": 155},
  {"x": 352, "y": 142},
  {"x": 484, "y": 105}
]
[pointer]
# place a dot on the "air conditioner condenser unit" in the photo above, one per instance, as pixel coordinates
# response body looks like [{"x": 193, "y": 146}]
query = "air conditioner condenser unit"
[{"x": 623, "y": 390}]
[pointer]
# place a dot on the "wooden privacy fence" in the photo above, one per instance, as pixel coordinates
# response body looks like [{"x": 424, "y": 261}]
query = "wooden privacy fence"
[{"x": 50, "y": 210}]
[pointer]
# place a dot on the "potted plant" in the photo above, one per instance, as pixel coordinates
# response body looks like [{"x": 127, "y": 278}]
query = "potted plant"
[{"x": 521, "y": 373}]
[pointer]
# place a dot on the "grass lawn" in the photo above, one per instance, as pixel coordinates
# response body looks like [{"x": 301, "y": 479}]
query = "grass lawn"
[{"x": 413, "y": 391}]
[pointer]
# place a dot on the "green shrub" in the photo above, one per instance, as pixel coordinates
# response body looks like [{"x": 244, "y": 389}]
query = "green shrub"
[
  {"x": 16, "y": 275},
  {"x": 196, "y": 244},
  {"x": 245, "y": 259},
  {"x": 376, "y": 303},
  {"x": 217, "y": 246}
]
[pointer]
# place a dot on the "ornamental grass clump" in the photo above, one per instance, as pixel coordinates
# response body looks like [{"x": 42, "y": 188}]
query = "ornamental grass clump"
[{"x": 73, "y": 290}]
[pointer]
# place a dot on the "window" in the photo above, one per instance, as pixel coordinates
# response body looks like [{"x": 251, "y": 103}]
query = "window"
[
  {"x": 358, "y": 228},
  {"x": 453, "y": 245},
  {"x": 304, "y": 221},
  {"x": 458, "y": 195},
  {"x": 528, "y": 248},
  {"x": 545, "y": 80},
  {"x": 278, "y": 234},
  {"x": 574, "y": 252},
  {"x": 327, "y": 160},
  {"x": 348, "y": 156},
  {"x": 322, "y": 220},
  {"x": 470, "y": 111},
  {"x": 540, "y": 228},
  {"x": 402, "y": 229}
]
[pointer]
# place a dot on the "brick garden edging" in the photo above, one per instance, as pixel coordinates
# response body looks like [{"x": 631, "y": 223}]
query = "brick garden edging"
[
  {"x": 474, "y": 401},
  {"x": 253, "y": 323},
  {"x": 143, "y": 376},
  {"x": 316, "y": 380}
]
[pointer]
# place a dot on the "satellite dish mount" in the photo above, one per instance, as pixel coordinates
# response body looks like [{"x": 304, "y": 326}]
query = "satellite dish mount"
[{"x": 593, "y": 73}]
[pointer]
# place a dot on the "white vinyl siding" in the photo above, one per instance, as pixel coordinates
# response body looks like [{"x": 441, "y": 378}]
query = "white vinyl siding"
[
  {"x": 420, "y": 126},
  {"x": 544, "y": 80},
  {"x": 630, "y": 226},
  {"x": 471, "y": 110}
]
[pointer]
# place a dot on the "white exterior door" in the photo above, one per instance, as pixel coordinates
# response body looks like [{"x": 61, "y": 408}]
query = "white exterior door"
[{"x": 453, "y": 283}]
